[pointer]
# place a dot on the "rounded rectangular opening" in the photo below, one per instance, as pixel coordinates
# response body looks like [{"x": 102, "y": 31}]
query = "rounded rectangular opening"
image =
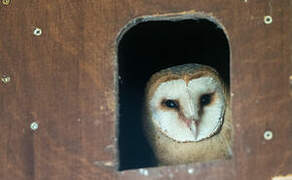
[{"x": 148, "y": 45}]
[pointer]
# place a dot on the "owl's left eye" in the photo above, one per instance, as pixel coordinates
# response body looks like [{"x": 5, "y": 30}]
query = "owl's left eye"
[{"x": 171, "y": 104}]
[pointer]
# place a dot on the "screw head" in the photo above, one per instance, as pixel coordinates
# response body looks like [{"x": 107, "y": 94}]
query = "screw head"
[
  {"x": 190, "y": 170},
  {"x": 268, "y": 135},
  {"x": 144, "y": 172},
  {"x": 5, "y": 79},
  {"x": 268, "y": 19},
  {"x": 34, "y": 126},
  {"x": 37, "y": 32},
  {"x": 6, "y": 2}
]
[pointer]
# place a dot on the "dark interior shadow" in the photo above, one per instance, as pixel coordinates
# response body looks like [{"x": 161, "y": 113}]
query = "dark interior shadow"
[{"x": 147, "y": 48}]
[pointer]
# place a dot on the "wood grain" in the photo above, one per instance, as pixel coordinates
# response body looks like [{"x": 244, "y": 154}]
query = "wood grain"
[{"x": 65, "y": 81}]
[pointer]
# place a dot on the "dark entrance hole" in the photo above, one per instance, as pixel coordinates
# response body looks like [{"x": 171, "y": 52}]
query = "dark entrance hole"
[{"x": 146, "y": 47}]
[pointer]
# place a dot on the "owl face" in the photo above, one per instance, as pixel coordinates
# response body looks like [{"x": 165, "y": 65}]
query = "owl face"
[{"x": 188, "y": 107}]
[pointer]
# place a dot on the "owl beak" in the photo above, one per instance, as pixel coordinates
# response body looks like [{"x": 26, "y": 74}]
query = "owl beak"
[{"x": 194, "y": 126}]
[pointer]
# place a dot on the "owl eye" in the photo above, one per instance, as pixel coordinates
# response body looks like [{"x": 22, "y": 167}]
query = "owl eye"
[
  {"x": 171, "y": 104},
  {"x": 205, "y": 99}
]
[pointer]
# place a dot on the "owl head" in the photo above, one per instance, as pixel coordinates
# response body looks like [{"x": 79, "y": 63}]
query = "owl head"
[{"x": 186, "y": 102}]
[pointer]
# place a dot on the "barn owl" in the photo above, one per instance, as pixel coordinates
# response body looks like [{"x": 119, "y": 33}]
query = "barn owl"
[{"x": 187, "y": 115}]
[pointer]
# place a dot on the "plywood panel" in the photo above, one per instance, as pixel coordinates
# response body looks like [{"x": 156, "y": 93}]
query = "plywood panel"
[{"x": 65, "y": 81}]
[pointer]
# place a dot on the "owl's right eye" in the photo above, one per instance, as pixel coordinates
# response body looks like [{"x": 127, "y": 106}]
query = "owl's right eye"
[
  {"x": 171, "y": 104},
  {"x": 205, "y": 99}
]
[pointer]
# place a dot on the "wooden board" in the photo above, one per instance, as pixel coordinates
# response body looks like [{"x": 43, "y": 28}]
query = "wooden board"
[{"x": 65, "y": 81}]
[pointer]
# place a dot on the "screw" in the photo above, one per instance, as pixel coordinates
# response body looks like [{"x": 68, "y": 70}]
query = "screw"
[
  {"x": 6, "y": 2},
  {"x": 34, "y": 126},
  {"x": 190, "y": 170},
  {"x": 268, "y": 19},
  {"x": 37, "y": 32},
  {"x": 5, "y": 79},
  {"x": 144, "y": 172},
  {"x": 268, "y": 135}
]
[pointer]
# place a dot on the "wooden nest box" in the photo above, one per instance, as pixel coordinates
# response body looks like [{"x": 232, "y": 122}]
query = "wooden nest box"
[{"x": 73, "y": 76}]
